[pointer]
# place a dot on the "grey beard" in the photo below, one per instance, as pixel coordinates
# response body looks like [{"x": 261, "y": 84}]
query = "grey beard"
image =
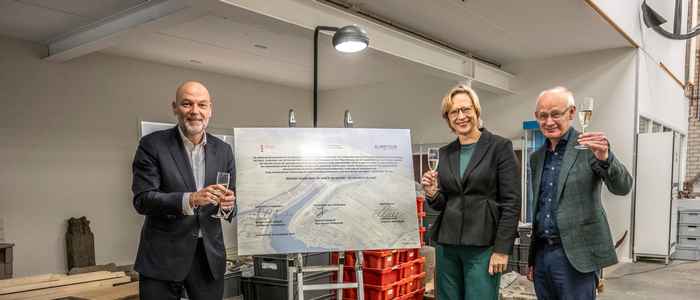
[{"x": 189, "y": 130}]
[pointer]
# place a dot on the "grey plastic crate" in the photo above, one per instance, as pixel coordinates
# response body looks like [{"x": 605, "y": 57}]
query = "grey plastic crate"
[
  {"x": 688, "y": 230},
  {"x": 524, "y": 253},
  {"x": 525, "y": 234},
  {"x": 515, "y": 256},
  {"x": 686, "y": 253},
  {"x": 689, "y": 217},
  {"x": 232, "y": 284},
  {"x": 523, "y": 268},
  {"x": 689, "y": 242},
  {"x": 275, "y": 266},
  {"x": 261, "y": 288}
]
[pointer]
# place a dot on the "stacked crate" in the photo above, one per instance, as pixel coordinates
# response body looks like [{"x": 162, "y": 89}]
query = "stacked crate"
[
  {"x": 518, "y": 260},
  {"x": 270, "y": 280},
  {"x": 389, "y": 274},
  {"x": 386, "y": 274},
  {"x": 688, "y": 235},
  {"x": 6, "y": 260},
  {"x": 420, "y": 208}
]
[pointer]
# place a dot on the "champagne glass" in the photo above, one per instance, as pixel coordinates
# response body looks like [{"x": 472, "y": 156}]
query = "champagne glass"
[
  {"x": 585, "y": 113},
  {"x": 433, "y": 158},
  {"x": 222, "y": 178}
]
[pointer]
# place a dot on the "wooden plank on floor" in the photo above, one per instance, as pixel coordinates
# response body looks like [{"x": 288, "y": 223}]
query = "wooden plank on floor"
[
  {"x": 123, "y": 291},
  {"x": 65, "y": 291},
  {"x": 29, "y": 280},
  {"x": 68, "y": 280}
]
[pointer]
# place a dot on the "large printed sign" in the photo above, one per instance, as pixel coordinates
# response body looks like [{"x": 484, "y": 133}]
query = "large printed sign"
[{"x": 324, "y": 189}]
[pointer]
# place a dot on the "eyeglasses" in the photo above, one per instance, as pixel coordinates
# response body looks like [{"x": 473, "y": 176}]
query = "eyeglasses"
[
  {"x": 455, "y": 112},
  {"x": 555, "y": 114}
]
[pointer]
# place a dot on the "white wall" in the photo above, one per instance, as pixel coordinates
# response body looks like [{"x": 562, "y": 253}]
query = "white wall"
[
  {"x": 627, "y": 15},
  {"x": 69, "y": 132},
  {"x": 609, "y": 77},
  {"x": 660, "y": 97},
  {"x": 413, "y": 103}
]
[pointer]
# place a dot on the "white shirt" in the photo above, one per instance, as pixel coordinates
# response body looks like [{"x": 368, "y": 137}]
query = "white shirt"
[{"x": 195, "y": 156}]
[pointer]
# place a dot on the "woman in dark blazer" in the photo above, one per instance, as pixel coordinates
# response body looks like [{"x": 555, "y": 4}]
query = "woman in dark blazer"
[{"x": 477, "y": 191}]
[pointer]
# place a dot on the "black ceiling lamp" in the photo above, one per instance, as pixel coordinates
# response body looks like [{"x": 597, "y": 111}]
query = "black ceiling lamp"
[{"x": 346, "y": 39}]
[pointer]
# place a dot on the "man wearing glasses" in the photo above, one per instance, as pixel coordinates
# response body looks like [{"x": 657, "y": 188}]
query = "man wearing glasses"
[{"x": 571, "y": 235}]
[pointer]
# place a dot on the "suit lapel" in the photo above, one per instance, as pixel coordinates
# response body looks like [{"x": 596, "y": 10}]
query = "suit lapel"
[
  {"x": 482, "y": 145},
  {"x": 453, "y": 161},
  {"x": 537, "y": 165},
  {"x": 177, "y": 151},
  {"x": 568, "y": 161},
  {"x": 210, "y": 161}
]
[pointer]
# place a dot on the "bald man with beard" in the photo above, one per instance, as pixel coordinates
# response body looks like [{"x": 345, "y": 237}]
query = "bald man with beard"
[{"x": 174, "y": 186}]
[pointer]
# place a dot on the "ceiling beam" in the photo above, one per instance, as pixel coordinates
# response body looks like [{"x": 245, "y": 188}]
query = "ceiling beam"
[
  {"x": 148, "y": 18},
  {"x": 443, "y": 62}
]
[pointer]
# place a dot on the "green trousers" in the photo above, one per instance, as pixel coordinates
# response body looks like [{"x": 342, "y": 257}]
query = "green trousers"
[{"x": 463, "y": 273}]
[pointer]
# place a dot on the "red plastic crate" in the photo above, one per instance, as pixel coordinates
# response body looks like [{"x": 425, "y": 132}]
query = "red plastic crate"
[
  {"x": 387, "y": 292},
  {"x": 419, "y": 204},
  {"x": 348, "y": 275},
  {"x": 380, "y": 259},
  {"x": 412, "y": 268},
  {"x": 376, "y": 292},
  {"x": 415, "y": 295},
  {"x": 422, "y": 231},
  {"x": 401, "y": 253},
  {"x": 349, "y": 258},
  {"x": 415, "y": 283},
  {"x": 407, "y": 255},
  {"x": 381, "y": 276},
  {"x": 349, "y": 294},
  {"x": 410, "y": 285},
  {"x": 420, "y": 265}
]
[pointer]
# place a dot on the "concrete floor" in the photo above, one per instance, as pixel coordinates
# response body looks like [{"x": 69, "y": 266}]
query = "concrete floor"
[
  {"x": 648, "y": 280},
  {"x": 680, "y": 280}
]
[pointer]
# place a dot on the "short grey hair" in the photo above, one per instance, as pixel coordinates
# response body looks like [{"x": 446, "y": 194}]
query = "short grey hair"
[{"x": 560, "y": 90}]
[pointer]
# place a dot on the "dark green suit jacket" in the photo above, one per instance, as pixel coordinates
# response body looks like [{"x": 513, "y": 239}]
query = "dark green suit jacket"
[{"x": 583, "y": 224}]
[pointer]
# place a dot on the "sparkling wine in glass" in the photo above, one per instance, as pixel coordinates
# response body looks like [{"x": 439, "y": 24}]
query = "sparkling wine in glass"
[
  {"x": 433, "y": 158},
  {"x": 222, "y": 178},
  {"x": 585, "y": 113}
]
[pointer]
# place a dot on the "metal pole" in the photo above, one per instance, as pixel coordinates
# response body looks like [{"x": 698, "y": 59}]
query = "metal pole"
[
  {"x": 291, "y": 272},
  {"x": 300, "y": 277},
  {"x": 677, "y": 18},
  {"x": 316, "y": 31},
  {"x": 316, "y": 76}
]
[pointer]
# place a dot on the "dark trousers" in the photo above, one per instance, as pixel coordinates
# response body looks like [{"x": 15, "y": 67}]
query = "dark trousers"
[
  {"x": 556, "y": 279},
  {"x": 463, "y": 273},
  {"x": 199, "y": 283}
]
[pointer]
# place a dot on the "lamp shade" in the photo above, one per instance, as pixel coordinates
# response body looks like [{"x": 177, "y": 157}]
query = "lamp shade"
[{"x": 350, "y": 38}]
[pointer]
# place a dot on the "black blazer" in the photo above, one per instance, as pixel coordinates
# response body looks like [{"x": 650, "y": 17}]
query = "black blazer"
[
  {"x": 161, "y": 175},
  {"x": 481, "y": 208}
]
